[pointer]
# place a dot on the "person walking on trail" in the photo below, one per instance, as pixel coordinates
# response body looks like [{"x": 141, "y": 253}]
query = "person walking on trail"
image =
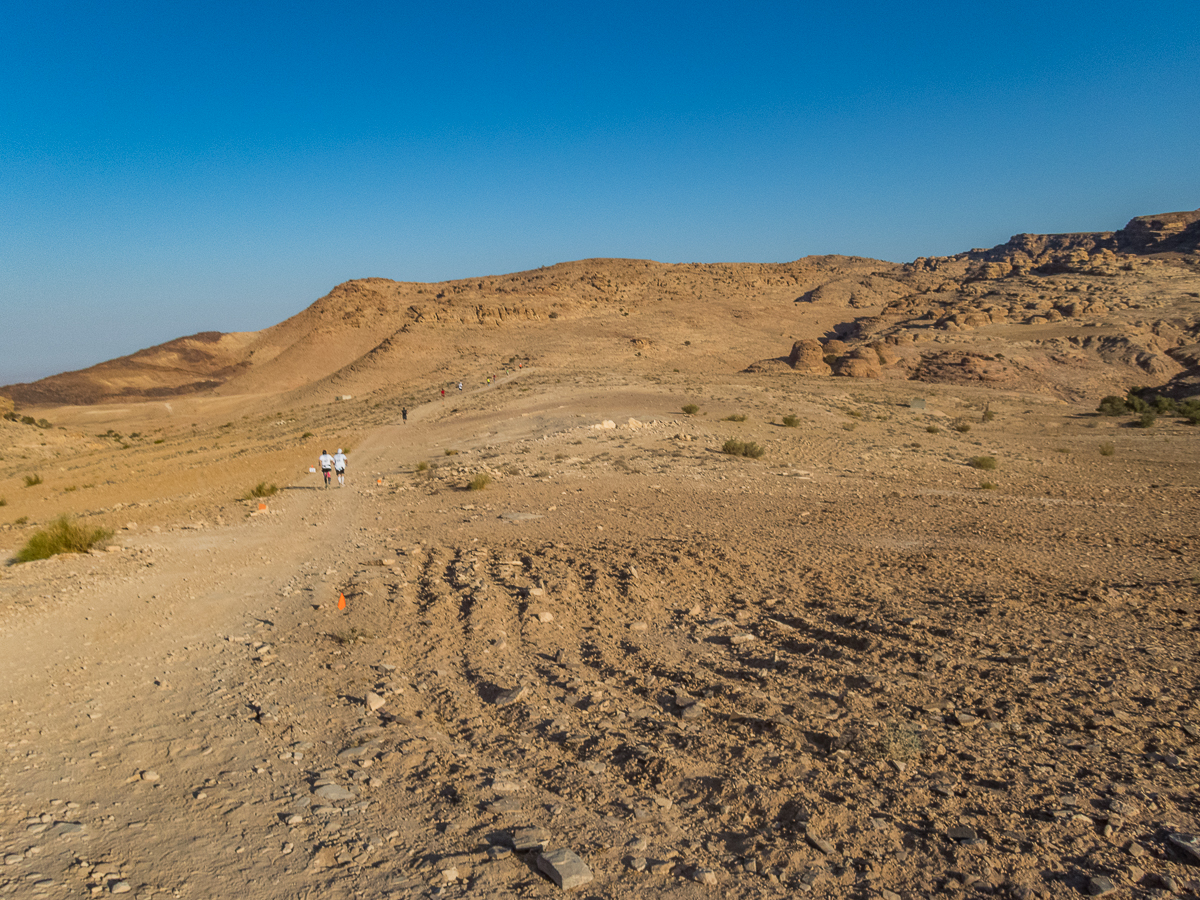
[
  {"x": 460, "y": 385},
  {"x": 404, "y": 414},
  {"x": 326, "y": 463},
  {"x": 443, "y": 393},
  {"x": 339, "y": 466}
]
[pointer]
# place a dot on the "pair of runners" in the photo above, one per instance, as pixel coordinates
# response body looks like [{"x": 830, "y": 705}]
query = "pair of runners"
[{"x": 336, "y": 463}]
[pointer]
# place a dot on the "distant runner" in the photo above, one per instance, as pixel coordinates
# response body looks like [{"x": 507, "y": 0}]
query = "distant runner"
[
  {"x": 339, "y": 466},
  {"x": 326, "y": 462},
  {"x": 404, "y": 414}
]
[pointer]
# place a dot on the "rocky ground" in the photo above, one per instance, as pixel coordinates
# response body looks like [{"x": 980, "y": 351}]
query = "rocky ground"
[{"x": 855, "y": 666}]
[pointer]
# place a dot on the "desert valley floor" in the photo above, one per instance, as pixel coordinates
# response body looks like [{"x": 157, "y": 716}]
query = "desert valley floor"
[{"x": 856, "y": 666}]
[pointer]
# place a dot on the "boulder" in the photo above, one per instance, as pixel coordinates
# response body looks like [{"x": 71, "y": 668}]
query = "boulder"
[
  {"x": 860, "y": 363},
  {"x": 808, "y": 358}
]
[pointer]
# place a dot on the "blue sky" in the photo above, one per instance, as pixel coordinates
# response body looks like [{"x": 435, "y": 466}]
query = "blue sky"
[{"x": 168, "y": 168}]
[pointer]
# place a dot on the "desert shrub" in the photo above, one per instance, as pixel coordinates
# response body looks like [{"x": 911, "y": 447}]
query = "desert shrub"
[
  {"x": 1191, "y": 415},
  {"x": 1112, "y": 405},
  {"x": 691, "y": 409},
  {"x": 560, "y": 456},
  {"x": 422, "y": 466},
  {"x": 1165, "y": 405},
  {"x": 61, "y": 536},
  {"x": 44, "y": 423},
  {"x": 160, "y": 440},
  {"x": 262, "y": 489},
  {"x": 742, "y": 448},
  {"x": 12, "y": 416},
  {"x": 479, "y": 482},
  {"x": 933, "y": 429},
  {"x": 3, "y": 502},
  {"x": 1134, "y": 401},
  {"x": 736, "y": 417},
  {"x": 24, "y": 520},
  {"x": 307, "y": 435},
  {"x": 986, "y": 463},
  {"x": 1108, "y": 448},
  {"x": 32, "y": 480},
  {"x": 28, "y": 420},
  {"x": 71, "y": 487},
  {"x": 856, "y": 413},
  {"x": 1146, "y": 419},
  {"x": 791, "y": 422},
  {"x": 450, "y": 452},
  {"x": 988, "y": 415},
  {"x": 988, "y": 485},
  {"x": 849, "y": 426},
  {"x": 961, "y": 427}
]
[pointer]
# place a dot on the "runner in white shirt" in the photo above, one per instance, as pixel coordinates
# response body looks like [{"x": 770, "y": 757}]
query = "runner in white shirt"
[
  {"x": 339, "y": 466},
  {"x": 326, "y": 462}
]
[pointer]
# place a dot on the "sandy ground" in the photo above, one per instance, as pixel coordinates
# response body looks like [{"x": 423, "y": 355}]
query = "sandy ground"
[{"x": 848, "y": 668}]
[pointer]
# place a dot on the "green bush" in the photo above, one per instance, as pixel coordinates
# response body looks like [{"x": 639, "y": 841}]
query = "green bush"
[
  {"x": 479, "y": 482},
  {"x": 450, "y": 452},
  {"x": 962, "y": 427},
  {"x": 1135, "y": 403},
  {"x": 32, "y": 480},
  {"x": 1112, "y": 405},
  {"x": 1146, "y": 419},
  {"x": 3, "y": 502},
  {"x": 307, "y": 435},
  {"x": 986, "y": 463},
  {"x": 791, "y": 422},
  {"x": 691, "y": 409},
  {"x": 262, "y": 489},
  {"x": 988, "y": 485},
  {"x": 736, "y": 417},
  {"x": 988, "y": 415},
  {"x": 742, "y": 448},
  {"x": 61, "y": 536},
  {"x": 422, "y": 466},
  {"x": 933, "y": 429},
  {"x": 1108, "y": 448}
]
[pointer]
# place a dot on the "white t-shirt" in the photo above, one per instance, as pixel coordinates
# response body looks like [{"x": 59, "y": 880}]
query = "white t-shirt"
[
  {"x": 326, "y": 461},
  {"x": 339, "y": 461}
]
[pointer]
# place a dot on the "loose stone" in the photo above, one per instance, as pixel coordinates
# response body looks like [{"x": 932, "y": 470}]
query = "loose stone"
[{"x": 564, "y": 868}]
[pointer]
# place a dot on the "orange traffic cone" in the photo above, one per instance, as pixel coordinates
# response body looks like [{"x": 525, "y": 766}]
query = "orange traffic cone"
[{"x": 341, "y": 601}]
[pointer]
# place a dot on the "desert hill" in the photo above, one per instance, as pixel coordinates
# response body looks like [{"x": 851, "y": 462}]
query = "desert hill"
[{"x": 1073, "y": 313}]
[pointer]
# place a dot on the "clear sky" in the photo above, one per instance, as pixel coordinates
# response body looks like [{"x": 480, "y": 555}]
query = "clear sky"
[{"x": 174, "y": 167}]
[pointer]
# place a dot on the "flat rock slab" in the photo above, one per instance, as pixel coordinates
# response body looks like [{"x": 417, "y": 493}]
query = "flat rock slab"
[
  {"x": 1188, "y": 846},
  {"x": 564, "y": 868},
  {"x": 333, "y": 792},
  {"x": 530, "y": 839},
  {"x": 512, "y": 696}
]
